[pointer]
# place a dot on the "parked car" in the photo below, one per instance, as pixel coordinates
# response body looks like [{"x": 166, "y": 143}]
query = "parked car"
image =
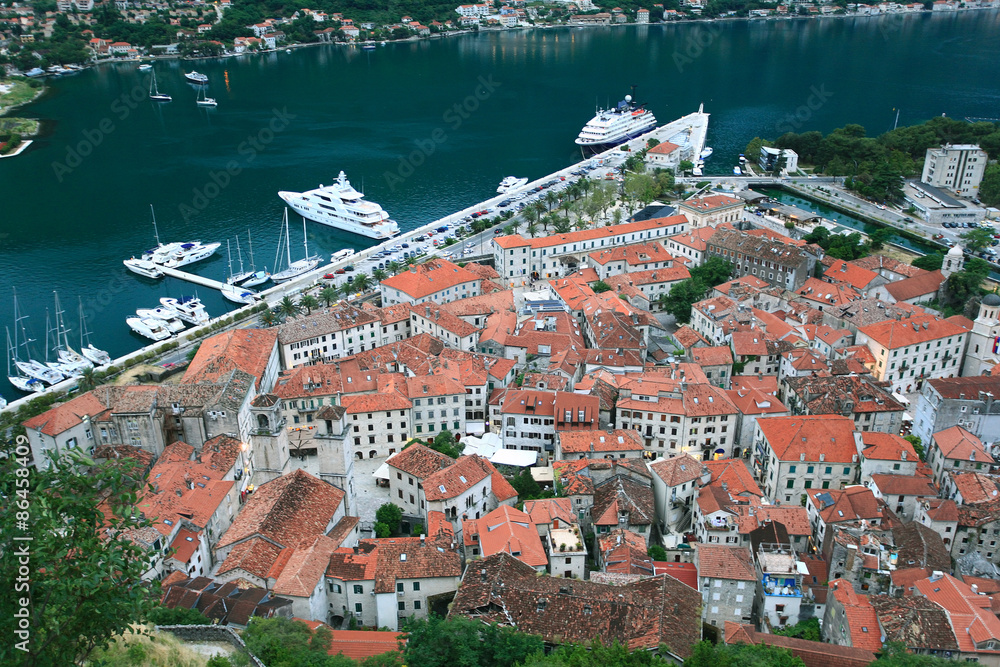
[
  {"x": 329, "y": 276},
  {"x": 340, "y": 272},
  {"x": 349, "y": 267}
]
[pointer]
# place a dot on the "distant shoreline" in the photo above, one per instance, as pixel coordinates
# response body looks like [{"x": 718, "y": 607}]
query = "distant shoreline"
[{"x": 457, "y": 33}]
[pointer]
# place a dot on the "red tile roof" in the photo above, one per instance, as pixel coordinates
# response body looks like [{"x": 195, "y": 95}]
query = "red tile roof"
[
  {"x": 886, "y": 447},
  {"x": 920, "y": 285},
  {"x": 812, "y": 654},
  {"x": 957, "y": 443},
  {"x": 726, "y": 562},
  {"x": 550, "y": 510},
  {"x": 509, "y": 530},
  {"x": 710, "y": 203},
  {"x": 829, "y": 435},
  {"x": 678, "y": 470},
  {"x": 712, "y": 356},
  {"x": 430, "y": 277},
  {"x": 590, "y": 442},
  {"x": 640, "y": 615},
  {"x": 456, "y": 479},
  {"x": 861, "y": 619},
  {"x": 359, "y": 644},
  {"x": 420, "y": 461},
  {"x": 856, "y": 276},
  {"x": 290, "y": 510},
  {"x": 248, "y": 350},
  {"x": 853, "y": 503},
  {"x": 905, "y": 485},
  {"x": 385, "y": 560},
  {"x": 894, "y": 334}
]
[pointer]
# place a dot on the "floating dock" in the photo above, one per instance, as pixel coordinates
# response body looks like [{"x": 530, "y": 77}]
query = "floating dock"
[{"x": 192, "y": 278}]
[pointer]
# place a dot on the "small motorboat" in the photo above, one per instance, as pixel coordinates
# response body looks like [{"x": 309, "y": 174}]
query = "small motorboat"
[{"x": 196, "y": 77}]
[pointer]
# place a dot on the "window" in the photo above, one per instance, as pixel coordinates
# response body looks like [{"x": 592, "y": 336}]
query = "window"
[
  {"x": 399, "y": 586},
  {"x": 359, "y": 590},
  {"x": 416, "y": 585},
  {"x": 402, "y": 606},
  {"x": 416, "y": 604},
  {"x": 357, "y": 607}
]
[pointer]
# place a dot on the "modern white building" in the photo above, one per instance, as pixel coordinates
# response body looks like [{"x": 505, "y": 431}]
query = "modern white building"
[{"x": 957, "y": 167}]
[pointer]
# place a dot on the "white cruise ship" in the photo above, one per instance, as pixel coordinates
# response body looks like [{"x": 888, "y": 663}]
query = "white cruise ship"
[
  {"x": 341, "y": 206},
  {"x": 611, "y": 127}
]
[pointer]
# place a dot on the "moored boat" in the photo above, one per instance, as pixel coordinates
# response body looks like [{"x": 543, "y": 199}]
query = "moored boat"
[{"x": 188, "y": 308}]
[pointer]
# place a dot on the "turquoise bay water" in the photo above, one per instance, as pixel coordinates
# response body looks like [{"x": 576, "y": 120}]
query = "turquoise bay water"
[{"x": 425, "y": 128}]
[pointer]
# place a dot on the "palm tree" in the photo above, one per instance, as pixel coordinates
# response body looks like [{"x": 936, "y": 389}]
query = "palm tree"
[
  {"x": 287, "y": 307},
  {"x": 550, "y": 199},
  {"x": 88, "y": 379},
  {"x": 268, "y": 318},
  {"x": 308, "y": 301},
  {"x": 362, "y": 283},
  {"x": 561, "y": 226},
  {"x": 393, "y": 267},
  {"x": 328, "y": 295},
  {"x": 532, "y": 228},
  {"x": 539, "y": 208},
  {"x": 347, "y": 289},
  {"x": 379, "y": 275}
]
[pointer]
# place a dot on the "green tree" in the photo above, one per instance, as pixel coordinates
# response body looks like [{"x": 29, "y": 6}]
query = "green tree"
[
  {"x": 86, "y": 572},
  {"x": 463, "y": 642},
  {"x": 287, "y": 307},
  {"x": 878, "y": 238},
  {"x": 390, "y": 515},
  {"x": 895, "y": 654},
  {"x": 964, "y": 285},
  {"x": 977, "y": 239},
  {"x": 596, "y": 654},
  {"x": 88, "y": 379},
  {"x": 382, "y": 529},
  {"x": 362, "y": 283},
  {"x": 918, "y": 445},
  {"x": 706, "y": 654},
  {"x": 379, "y": 275},
  {"x": 681, "y": 297},
  {"x": 807, "y": 629},
  {"x": 280, "y": 641},
  {"x": 931, "y": 262},
  {"x": 328, "y": 295},
  {"x": 308, "y": 301},
  {"x": 752, "y": 151},
  {"x": 445, "y": 443},
  {"x": 713, "y": 272},
  {"x": 160, "y": 615},
  {"x": 656, "y": 552},
  {"x": 600, "y": 286},
  {"x": 989, "y": 188},
  {"x": 268, "y": 318},
  {"x": 393, "y": 267},
  {"x": 685, "y": 166}
]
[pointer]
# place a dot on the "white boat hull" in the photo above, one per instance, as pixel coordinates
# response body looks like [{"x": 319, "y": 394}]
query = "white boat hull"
[
  {"x": 39, "y": 371},
  {"x": 27, "y": 385},
  {"x": 299, "y": 268},
  {"x": 258, "y": 278},
  {"x": 144, "y": 268},
  {"x": 96, "y": 356},
  {"x": 188, "y": 309},
  {"x": 147, "y": 328},
  {"x": 239, "y": 295}
]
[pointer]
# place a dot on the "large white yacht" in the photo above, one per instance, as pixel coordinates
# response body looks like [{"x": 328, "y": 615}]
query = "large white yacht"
[
  {"x": 148, "y": 328},
  {"x": 610, "y": 127},
  {"x": 188, "y": 308},
  {"x": 341, "y": 206}
]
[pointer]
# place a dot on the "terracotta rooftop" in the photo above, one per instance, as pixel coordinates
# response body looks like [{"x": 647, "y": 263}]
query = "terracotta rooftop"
[
  {"x": 726, "y": 562},
  {"x": 359, "y": 644},
  {"x": 851, "y": 504},
  {"x": 678, "y": 470},
  {"x": 420, "y": 461},
  {"x": 791, "y": 438},
  {"x": 550, "y": 510},
  {"x": 886, "y": 447},
  {"x": 248, "y": 350},
  {"x": 640, "y": 615},
  {"x": 916, "y": 621},
  {"x": 622, "y": 495},
  {"x": 895, "y": 334},
  {"x": 904, "y": 485},
  {"x": 966, "y": 388},
  {"x": 599, "y": 442},
  {"x": 812, "y": 654},
  {"x": 919, "y": 285},
  {"x": 957, "y": 443},
  {"x": 290, "y": 510},
  {"x": 861, "y": 618},
  {"x": 430, "y": 277},
  {"x": 509, "y": 530},
  {"x": 384, "y": 560}
]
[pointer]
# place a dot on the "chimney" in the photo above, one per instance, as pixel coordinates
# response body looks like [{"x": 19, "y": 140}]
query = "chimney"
[{"x": 422, "y": 538}]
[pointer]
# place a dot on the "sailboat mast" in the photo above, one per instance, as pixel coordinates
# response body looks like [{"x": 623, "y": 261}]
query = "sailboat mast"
[
  {"x": 61, "y": 339},
  {"x": 253, "y": 265},
  {"x": 305, "y": 239},
  {"x": 240, "y": 252},
  {"x": 229, "y": 252},
  {"x": 288, "y": 240},
  {"x": 156, "y": 232},
  {"x": 83, "y": 323}
]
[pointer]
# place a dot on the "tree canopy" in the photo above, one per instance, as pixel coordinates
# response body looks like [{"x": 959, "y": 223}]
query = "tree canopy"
[
  {"x": 595, "y": 654},
  {"x": 686, "y": 293},
  {"x": 706, "y": 654},
  {"x": 85, "y": 572},
  {"x": 463, "y": 642}
]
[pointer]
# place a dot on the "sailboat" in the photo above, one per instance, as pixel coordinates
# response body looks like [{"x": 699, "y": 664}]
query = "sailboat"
[
  {"x": 237, "y": 278},
  {"x": 70, "y": 362},
  {"x": 30, "y": 367},
  {"x": 21, "y": 382},
  {"x": 298, "y": 267},
  {"x": 87, "y": 349},
  {"x": 239, "y": 294},
  {"x": 204, "y": 101},
  {"x": 256, "y": 277},
  {"x": 154, "y": 92}
]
